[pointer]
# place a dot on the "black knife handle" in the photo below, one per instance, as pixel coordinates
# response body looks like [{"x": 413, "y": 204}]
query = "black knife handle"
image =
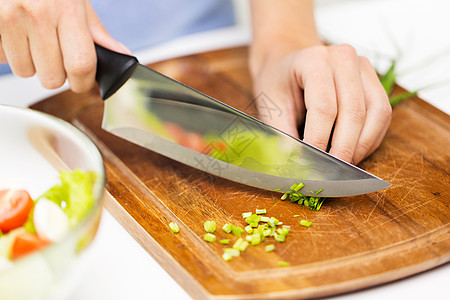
[{"x": 113, "y": 70}]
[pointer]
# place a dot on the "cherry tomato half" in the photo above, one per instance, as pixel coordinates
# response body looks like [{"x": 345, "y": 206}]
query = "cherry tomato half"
[
  {"x": 26, "y": 243},
  {"x": 15, "y": 206}
]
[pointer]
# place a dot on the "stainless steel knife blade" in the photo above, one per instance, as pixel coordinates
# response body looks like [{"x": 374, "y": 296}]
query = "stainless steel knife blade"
[{"x": 170, "y": 118}]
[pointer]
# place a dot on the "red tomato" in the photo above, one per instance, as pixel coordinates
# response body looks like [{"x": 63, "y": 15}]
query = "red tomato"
[
  {"x": 26, "y": 243},
  {"x": 15, "y": 205}
]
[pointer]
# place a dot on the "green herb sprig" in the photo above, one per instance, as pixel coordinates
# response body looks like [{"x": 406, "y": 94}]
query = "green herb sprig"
[{"x": 294, "y": 195}]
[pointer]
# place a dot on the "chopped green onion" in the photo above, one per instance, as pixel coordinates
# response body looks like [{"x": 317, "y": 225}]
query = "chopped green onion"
[
  {"x": 285, "y": 195},
  {"x": 256, "y": 239},
  {"x": 262, "y": 227},
  {"x": 227, "y": 228},
  {"x": 283, "y": 263},
  {"x": 210, "y": 226},
  {"x": 320, "y": 204},
  {"x": 270, "y": 248},
  {"x": 294, "y": 197},
  {"x": 267, "y": 232},
  {"x": 246, "y": 214},
  {"x": 238, "y": 242},
  {"x": 209, "y": 237},
  {"x": 296, "y": 216},
  {"x": 237, "y": 231},
  {"x": 319, "y": 191},
  {"x": 279, "y": 237},
  {"x": 260, "y": 211},
  {"x": 254, "y": 224},
  {"x": 243, "y": 246},
  {"x": 262, "y": 237},
  {"x": 283, "y": 231},
  {"x": 226, "y": 257},
  {"x": 248, "y": 238},
  {"x": 225, "y": 242},
  {"x": 174, "y": 227},
  {"x": 299, "y": 187},
  {"x": 253, "y": 219},
  {"x": 248, "y": 229},
  {"x": 273, "y": 202},
  {"x": 232, "y": 251},
  {"x": 265, "y": 219},
  {"x": 293, "y": 187},
  {"x": 305, "y": 223},
  {"x": 277, "y": 190}
]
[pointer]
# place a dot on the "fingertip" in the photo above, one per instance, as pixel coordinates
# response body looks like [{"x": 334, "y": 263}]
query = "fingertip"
[
  {"x": 54, "y": 82},
  {"x": 124, "y": 49}
]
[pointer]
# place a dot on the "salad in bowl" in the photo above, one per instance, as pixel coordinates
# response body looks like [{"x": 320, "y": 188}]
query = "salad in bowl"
[{"x": 51, "y": 187}]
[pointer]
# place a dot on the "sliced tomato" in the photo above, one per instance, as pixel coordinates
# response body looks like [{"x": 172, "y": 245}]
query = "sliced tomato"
[
  {"x": 26, "y": 243},
  {"x": 15, "y": 206}
]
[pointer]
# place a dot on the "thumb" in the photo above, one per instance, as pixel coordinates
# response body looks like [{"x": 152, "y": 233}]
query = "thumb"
[{"x": 99, "y": 33}]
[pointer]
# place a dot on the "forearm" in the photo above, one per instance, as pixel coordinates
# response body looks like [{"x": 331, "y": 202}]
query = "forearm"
[{"x": 279, "y": 28}]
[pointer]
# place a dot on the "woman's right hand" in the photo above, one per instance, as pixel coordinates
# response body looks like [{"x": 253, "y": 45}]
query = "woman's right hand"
[{"x": 53, "y": 39}]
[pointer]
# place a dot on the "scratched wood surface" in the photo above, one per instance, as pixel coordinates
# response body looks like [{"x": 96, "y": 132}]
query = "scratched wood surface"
[{"x": 354, "y": 242}]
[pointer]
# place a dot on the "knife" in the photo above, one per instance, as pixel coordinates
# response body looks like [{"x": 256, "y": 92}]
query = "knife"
[{"x": 163, "y": 115}]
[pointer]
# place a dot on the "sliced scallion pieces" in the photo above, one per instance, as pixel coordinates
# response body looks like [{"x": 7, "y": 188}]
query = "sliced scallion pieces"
[
  {"x": 238, "y": 242},
  {"x": 174, "y": 227},
  {"x": 243, "y": 246},
  {"x": 270, "y": 248},
  {"x": 210, "y": 226},
  {"x": 261, "y": 211},
  {"x": 232, "y": 251},
  {"x": 227, "y": 228},
  {"x": 294, "y": 186},
  {"x": 283, "y": 263},
  {"x": 237, "y": 231},
  {"x": 246, "y": 214},
  {"x": 279, "y": 237},
  {"x": 258, "y": 228},
  {"x": 306, "y": 223},
  {"x": 226, "y": 256},
  {"x": 209, "y": 237},
  {"x": 314, "y": 203}
]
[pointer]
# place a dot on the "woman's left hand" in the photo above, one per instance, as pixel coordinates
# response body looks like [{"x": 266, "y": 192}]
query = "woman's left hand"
[{"x": 333, "y": 92}]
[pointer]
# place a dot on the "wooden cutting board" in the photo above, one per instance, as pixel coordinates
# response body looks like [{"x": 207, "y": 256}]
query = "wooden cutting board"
[{"x": 354, "y": 242}]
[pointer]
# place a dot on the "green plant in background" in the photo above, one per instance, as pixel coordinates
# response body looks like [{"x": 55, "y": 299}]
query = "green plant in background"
[{"x": 388, "y": 81}]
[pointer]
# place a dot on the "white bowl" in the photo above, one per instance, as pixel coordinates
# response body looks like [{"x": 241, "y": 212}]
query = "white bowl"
[{"x": 34, "y": 147}]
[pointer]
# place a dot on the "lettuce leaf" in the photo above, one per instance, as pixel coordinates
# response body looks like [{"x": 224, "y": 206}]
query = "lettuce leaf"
[{"x": 74, "y": 194}]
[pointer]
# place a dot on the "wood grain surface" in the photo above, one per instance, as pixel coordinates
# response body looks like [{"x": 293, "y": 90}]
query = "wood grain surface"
[{"x": 354, "y": 242}]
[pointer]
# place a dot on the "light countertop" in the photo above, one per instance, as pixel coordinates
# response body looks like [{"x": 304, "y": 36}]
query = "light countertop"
[{"x": 413, "y": 31}]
